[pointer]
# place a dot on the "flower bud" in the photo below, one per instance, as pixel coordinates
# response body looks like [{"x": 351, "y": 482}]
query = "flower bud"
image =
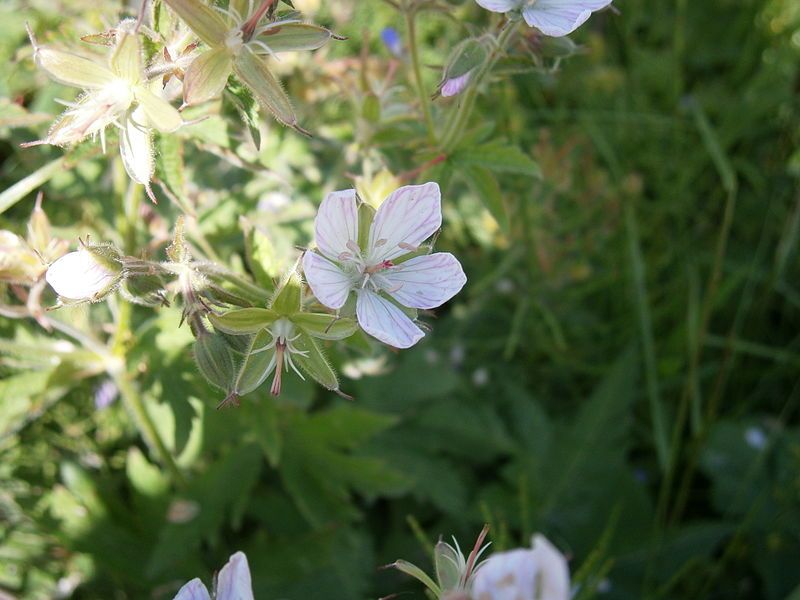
[
  {"x": 540, "y": 573},
  {"x": 464, "y": 61},
  {"x": 90, "y": 273}
]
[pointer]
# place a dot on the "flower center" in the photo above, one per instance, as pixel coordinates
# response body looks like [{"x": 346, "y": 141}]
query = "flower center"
[{"x": 235, "y": 40}]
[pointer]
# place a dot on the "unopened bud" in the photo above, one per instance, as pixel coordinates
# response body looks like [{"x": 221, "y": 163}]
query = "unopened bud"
[
  {"x": 461, "y": 67},
  {"x": 18, "y": 263},
  {"x": 90, "y": 273}
]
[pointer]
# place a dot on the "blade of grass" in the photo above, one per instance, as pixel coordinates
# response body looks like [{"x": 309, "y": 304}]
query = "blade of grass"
[{"x": 25, "y": 186}]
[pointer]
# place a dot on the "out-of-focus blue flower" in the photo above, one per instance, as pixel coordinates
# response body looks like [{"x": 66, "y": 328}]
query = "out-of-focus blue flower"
[
  {"x": 105, "y": 394},
  {"x": 392, "y": 41}
]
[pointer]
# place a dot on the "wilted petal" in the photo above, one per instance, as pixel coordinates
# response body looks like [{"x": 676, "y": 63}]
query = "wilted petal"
[
  {"x": 409, "y": 216},
  {"x": 336, "y": 224},
  {"x": 425, "y": 281},
  {"x": 202, "y": 19},
  {"x": 160, "y": 114},
  {"x": 194, "y": 590},
  {"x": 384, "y": 321},
  {"x": 73, "y": 69},
  {"x": 294, "y": 37},
  {"x": 126, "y": 61},
  {"x": 233, "y": 582},
  {"x": 136, "y": 148},
  {"x": 501, "y": 6},
  {"x": 253, "y": 71},
  {"x": 557, "y": 18},
  {"x": 81, "y": 275},
  {"x": 328, "y": 282},
  {"x": 207, "y": 75}
]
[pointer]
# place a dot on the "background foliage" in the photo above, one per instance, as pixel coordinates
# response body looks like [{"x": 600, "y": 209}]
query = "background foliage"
[{"x": 651, "y": 272}]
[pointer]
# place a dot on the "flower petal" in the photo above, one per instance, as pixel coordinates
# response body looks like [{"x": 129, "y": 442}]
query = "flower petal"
[
  {"x": 73, "y": 69},
  {"x": 501, "y": 6},
  {"x": 79, "y": 276},
  {"x": 558, "y": 18},
  {"x": 553, "y": 570},
  {"x": 409, "y": 216},
  {"x": 136, "y": 148},
  {"x": 160, "y": 114},
  {"x": 384, "y": 321},
  {"x": 207, "y": 75},
  {"x": 233, "y": 582},
  {"x": 330, "y": 284},
  {"x": 336, "y": 224},
  {"x": 194, "y": 590},
  {"x": 425, "y": 281},
  {"x": 126, "y": 61}
]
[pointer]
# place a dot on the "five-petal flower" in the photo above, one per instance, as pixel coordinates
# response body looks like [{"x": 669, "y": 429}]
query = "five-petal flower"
[
  {"x": 381, "y": 274},
  {"x": 554, "y": 18}
]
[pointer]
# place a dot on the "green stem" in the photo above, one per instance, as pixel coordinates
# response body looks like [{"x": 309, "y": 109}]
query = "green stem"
[
  {"x": 424, "y": 100},
  {"x": 117, "y": 363},
  {"x": 457, "y": 124}
]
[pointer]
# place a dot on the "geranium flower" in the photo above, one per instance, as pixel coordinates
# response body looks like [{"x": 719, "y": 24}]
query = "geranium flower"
[
  {"x": 538, "y": 573},
  {"x": 115, "y": 93},
  {"x": 232, "y": 583},
  {"x": 555, "y": 18},
  {"x": 386, "y": 271}
]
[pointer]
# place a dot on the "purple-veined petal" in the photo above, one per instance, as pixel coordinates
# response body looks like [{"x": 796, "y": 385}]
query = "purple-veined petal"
[
  {"x": 328, "y": 282},
  {"x": 408, "y": 217},
  {"x": 453, "y": 87},
  {"x": 425, "y": 281},
  {"x": 501, "y": 6},
  {"x": 384, "y": 321},
  {"x": 336, "y": 225},
  {"x": 233, "y": 582},
  {"x": 194, "y": 590},
  {"x": 558, "y": 18}
]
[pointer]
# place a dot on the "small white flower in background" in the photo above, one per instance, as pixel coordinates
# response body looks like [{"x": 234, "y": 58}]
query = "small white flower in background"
[
  {"x": 89, "y": 273},
  {"x": 232, "y": 583},
  {"x": 554, "y": 18},
  {"x": 114, "y": 93},
  {"x": 379, "y": 273},
  {"x": 538, "y": 573}
]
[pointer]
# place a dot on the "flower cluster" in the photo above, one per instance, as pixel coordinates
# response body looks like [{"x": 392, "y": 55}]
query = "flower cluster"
[{"x": 128, "y": 89}]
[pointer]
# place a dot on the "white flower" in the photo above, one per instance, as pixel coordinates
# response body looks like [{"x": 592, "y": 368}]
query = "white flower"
[
  {"x": 233, "y": 583},
  {"x": 555, "y": 18},
  {"x": 408, "y": 217},
  {"x": 539, "y": 573},
  {"x": 84, "y": 275}
]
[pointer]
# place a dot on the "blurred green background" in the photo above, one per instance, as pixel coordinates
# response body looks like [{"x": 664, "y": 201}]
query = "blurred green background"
[{"x": 621, "y": 373}]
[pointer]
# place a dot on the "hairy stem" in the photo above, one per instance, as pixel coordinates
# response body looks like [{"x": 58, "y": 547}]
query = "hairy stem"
[{"x": 424, "y": 100}]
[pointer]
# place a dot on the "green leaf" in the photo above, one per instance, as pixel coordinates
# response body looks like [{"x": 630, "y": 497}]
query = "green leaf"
[
  {"x": 253, "y": 71},
  {"x": 314, "y": 363},
  {"x": 497, "y": 157},
  {"x": 324, "y": 326},
  {"x": 247, "y": 107},
  {"x": 243, "y": 321},
  {"x": 287, "y": 298},
  {"x": 294, "y": 37},
  {"x": 214, "y": 359},
  {"x": 256, "y": 365},
  {"x": 488, "y": 190}
]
